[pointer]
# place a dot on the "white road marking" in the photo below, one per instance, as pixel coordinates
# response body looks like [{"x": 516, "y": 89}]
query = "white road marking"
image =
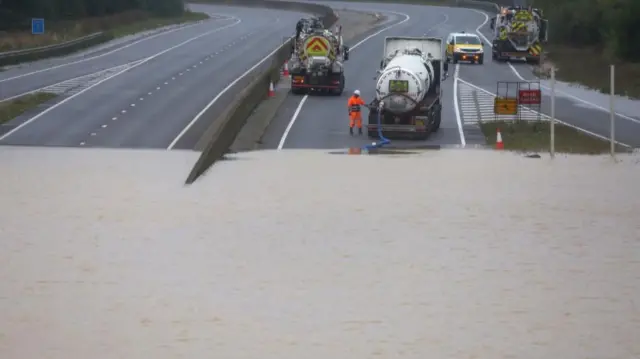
[
  {"x": 446, "y": 19},
  {"x": 142, "y": 99},
  {"x": 76, "y": 84},
  {"x": 455, "y": 106},
  {"x": 477, "y": 106},
  {"x": 229, "y": 86},
  {"x": 34, "y": 118},
  {"x": 113, "y": 119},
  {"x": 112, "y": 51},
  {"x": 124, "y": 111},
  {"x": 545, "y": 117},
  {"x": 515, "y": 72},
  {"x": 290, "y": 125},
  {"x": 304, "y": 98}
]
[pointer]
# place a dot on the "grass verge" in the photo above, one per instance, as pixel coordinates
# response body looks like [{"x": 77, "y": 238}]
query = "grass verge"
[
  {"x": 534, "y": 136},
  {"x": 589, "y": 67},
  {"x": 154, "y": 23},
  {"x": 119, "y": 25},
  {"x": 14, "y": 108}
]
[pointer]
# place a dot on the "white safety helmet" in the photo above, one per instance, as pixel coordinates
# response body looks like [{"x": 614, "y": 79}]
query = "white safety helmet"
[{"x": 356, "y": 92}]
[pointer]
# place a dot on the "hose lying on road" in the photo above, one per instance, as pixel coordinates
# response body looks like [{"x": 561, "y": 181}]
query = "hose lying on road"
[{"x": 383, "y": 140}]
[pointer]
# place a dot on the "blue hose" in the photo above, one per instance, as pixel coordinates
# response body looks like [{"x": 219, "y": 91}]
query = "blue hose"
[{"x": 383, "y": 140}]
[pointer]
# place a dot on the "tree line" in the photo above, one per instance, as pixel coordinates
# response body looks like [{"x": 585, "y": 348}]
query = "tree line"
[
  {"x": 609, "y": 26},
  {"x": 14, "y": 14}
]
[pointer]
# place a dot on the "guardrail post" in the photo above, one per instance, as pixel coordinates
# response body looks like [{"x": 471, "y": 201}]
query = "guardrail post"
[
  {"x": 552, "y": 142},
  {"x": 612, "y": 113}
]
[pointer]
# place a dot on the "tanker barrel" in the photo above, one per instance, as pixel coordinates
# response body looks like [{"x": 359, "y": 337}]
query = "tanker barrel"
[{"x": 405, "y": 81}]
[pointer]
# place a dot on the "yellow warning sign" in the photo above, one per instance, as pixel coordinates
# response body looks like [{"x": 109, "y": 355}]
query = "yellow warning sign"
[{"x": 505, "y": 106}]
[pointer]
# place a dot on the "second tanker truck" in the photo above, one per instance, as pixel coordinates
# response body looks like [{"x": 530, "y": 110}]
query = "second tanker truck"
[
  {"x": 408, "y": 97},
  {"x": 317, "y": 62}
]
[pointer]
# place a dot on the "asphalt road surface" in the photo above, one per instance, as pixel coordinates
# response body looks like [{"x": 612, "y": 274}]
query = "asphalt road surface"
[
  {"x": 153, "y": 89},
  {"x": 321, "y": 121}
]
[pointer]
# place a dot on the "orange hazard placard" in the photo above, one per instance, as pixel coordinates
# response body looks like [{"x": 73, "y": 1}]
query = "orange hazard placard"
[{"x": 317, "y": 46}]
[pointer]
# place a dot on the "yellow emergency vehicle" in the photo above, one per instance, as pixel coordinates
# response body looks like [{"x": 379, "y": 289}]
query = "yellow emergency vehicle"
[{"x": 462, "y": 46}]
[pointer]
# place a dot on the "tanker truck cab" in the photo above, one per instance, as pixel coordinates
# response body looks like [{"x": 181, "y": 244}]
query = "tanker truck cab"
[
  {"x": 464, "y": 47},
  {"x": 408, "y": 96}
]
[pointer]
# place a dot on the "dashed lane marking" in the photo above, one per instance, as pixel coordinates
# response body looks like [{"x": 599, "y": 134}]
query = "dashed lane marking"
[
  {"x": 173, "y": 78},
  {"x": 77, "y": 84},
  {"x": 142, "y": 62},
  {"x": 161, "y": 33}
]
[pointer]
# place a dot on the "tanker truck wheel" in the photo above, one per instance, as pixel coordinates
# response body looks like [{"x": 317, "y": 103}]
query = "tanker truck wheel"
[
  {"x": 340, "y": 89},
  {"x": 436, "y": 121}
]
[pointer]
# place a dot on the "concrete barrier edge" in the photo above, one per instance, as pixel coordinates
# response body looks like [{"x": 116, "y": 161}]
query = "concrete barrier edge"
[{"x": 224, "y": 128}]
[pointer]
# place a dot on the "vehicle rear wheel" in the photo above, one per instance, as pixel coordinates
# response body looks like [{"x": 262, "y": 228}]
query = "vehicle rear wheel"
[
  {"x": 340, "y": 89},
  {"x": 436, "y": 122},
  {"x": 298, "y": 91}
]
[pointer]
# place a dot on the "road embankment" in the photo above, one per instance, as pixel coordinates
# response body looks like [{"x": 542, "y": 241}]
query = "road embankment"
[{"x": 225, "y": 126}]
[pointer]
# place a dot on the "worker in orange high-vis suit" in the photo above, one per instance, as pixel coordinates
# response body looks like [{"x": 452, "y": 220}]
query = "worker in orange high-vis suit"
[{"x": 355, "y": 111}]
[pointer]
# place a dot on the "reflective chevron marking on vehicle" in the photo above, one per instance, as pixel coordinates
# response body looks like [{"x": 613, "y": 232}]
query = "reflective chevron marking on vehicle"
[
  {"x": 78, "y": 84},
  {"x": 517, "y": 26},
  {"x": 536, "y": 49},
  {"x": 477, "y": 106}
]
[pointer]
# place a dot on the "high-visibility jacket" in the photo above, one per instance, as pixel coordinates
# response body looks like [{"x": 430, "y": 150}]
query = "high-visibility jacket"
[{"x": 355, "y": 104}]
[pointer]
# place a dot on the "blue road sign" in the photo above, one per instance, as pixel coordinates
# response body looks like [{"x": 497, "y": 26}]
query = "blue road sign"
[{"x": 37, "y": 26}]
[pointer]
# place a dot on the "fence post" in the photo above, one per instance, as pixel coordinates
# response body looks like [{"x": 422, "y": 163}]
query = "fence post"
[
  {"x": 612, "y": 113},
  {"x": 552, "y": 149}
]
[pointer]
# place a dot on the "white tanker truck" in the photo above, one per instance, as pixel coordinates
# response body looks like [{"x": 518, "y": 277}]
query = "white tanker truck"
[{"x": 408, "y": 86}]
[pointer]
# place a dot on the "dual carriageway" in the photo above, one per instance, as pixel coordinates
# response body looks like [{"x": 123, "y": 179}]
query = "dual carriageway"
[{"x": 147, "y": 93}]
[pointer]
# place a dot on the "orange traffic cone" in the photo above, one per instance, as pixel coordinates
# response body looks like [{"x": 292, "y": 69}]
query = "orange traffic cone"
[
  {"x": 272, "y": 92},
  {"x": 499, "y": 143},
  {"x": 285, "y": 72}
]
